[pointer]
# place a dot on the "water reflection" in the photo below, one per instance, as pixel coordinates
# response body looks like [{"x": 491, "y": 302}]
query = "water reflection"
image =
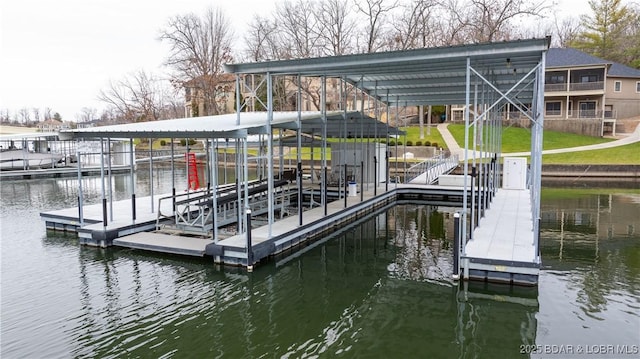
[
  {"x": 379, "y": 289},
  {"x": 353, "y": 295},
  {"x": 591, "y": 249}
]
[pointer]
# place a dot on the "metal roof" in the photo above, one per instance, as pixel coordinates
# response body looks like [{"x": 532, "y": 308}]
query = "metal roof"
[
  {"x": 227, "y": 126},
  {"x": 52, "y": 136},
  {"x": 434, "y": 76}
]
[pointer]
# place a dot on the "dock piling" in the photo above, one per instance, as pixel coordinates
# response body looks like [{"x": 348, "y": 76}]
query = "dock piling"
[
  {"x": 249, "y": 249},
  {"x": 456, "y": 246}
]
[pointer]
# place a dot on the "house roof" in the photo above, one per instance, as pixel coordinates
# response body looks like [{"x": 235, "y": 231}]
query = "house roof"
[
  {"x": 620, "y": 70},
  {"x": 567, "y": 57}
]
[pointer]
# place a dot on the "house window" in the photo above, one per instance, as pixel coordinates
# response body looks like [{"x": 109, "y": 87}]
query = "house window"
[
  {"x": 617, "y": 86},
  {"x": 553, "y": 108},
  {"x": 556, "y": 79},
  {"x": 588, "y": 78},
  {"x": 638, "y": 87}
]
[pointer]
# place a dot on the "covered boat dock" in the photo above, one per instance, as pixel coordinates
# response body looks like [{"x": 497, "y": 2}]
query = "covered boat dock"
[{"x": 485, "y": 78}]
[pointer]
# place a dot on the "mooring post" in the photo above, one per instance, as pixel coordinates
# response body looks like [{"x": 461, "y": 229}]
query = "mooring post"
[
  {"x": 249, "y": 248},
  {"x": 456, "y": 246},
  {"x": 472, "y": 201},
  {"x": 300, "y": 209},
  {"x": 387, "y": 171},
  {"x": 346, "y": 185},
  {"x": 375, "y": 176},
  {"x": 361, "y": 181},
  {"x": 325, "y": 197}
]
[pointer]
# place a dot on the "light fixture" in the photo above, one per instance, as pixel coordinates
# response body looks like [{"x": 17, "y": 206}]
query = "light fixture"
[{"x": 508, "y": 62}]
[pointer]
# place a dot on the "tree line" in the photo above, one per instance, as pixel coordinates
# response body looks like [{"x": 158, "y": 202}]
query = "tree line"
[{"x": 199, "y": 44}]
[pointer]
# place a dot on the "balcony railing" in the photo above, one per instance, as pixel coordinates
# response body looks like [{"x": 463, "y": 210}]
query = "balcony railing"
[
  {"x": 555, "y": 87},
  {"x": 608, "y": 114},
  {"x": 575, "y": 86}
]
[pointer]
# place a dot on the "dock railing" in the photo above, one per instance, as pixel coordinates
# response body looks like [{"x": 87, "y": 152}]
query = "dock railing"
[
  {"x": 432, "y": 168},
  {"x": 194, "y": 212}
]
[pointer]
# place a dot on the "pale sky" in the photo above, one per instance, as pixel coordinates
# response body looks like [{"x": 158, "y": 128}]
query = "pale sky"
[{"x": 61, "y": 53}]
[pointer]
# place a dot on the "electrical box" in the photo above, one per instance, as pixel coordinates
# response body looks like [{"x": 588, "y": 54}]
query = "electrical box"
[{"x": 514, "y": 174}]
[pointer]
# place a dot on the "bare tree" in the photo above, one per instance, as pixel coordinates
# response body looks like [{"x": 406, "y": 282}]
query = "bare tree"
[
  {"x": 199, "y": 47},
  {"x": 335, "y": 27},
  {"x": 138, "y": 97},
  {"x": 488, "y": 20},
  {"x": 414, "y": 26},
  {"x": 261, "y": 40},
  {"x": 296, "y": 23},
  {"x": 86, "y": 114},
  {"x": 24, "y": 116},
  {"x": 47, "y": 113},
  {"x": 375, "y": 11},
  {"x": 5, "y": 117},
  {"x": 36, "y": 114}
]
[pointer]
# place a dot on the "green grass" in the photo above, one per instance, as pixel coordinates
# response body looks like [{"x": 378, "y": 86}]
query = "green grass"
[
  {"x": 519, "y": 139},
  {"x": 562, "y": 193},
  {"x": 622, "y": 155},
  {"x": 413, "y": 135},
  {"x": 515, "y": 139}
]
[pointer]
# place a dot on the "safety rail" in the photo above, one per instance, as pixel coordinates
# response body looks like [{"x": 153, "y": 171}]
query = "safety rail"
[
  {"x": 432, "y": 168},
  {"x": 194, "y": 214}
]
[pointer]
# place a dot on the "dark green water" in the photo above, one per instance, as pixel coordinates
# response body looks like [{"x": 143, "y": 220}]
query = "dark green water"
[{"x": 378, "y": 290}]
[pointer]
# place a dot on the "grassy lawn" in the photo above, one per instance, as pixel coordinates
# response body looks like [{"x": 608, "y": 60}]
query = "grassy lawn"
[
  {"x": 623, "y": 155},
  {"x": 550, "y": 193},
  {"x": 413, "y": 135},
  {"x": 518, "y": 140},
  {"x": 515, "y": 139}
]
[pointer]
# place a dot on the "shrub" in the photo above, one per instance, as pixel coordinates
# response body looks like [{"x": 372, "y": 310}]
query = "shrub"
[
  {"x": 183, "y": 142},
  {"x": 428, "y": 143},
  {"x": 418, "y": 143},
  {"x": 435, "y": 144},
  {"x": 409, "y": 143},
  {"x": 192, "y": 142},
  {"x": 399, "y": 143},
  {"x": 163, "y": 143},
  {"x": 392, "y": 143}
]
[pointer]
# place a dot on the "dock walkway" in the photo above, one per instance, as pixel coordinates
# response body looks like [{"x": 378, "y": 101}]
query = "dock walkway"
[{"x": 503, "y": 246}]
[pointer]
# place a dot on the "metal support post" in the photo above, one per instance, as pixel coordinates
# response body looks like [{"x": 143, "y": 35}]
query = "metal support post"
[
  {"x": 361, "y": 181},
  {"x": 133, "y": 181},
  {"x": 456, "y": 246},
  {"x": 102, "y": 191},
  {"x": 249, "y": 246}
]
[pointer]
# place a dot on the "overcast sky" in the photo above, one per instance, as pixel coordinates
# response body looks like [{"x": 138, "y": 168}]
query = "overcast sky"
[{"x": 61, "y": 53}]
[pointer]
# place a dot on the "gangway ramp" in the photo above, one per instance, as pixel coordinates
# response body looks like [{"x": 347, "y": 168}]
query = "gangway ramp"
[
  {"x": 194, "y": 215},
  {"x": 428, "y": 171}
]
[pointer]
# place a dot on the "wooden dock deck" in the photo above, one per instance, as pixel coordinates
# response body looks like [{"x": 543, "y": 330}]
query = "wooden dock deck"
[{"x": 503, "y": 246}]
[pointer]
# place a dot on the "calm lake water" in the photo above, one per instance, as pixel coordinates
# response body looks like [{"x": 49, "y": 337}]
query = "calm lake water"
[{"x": 377, "y": 290}]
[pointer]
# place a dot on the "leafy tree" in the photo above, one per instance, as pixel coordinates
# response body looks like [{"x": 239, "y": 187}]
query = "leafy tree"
[{"x": 608, "y": 30}]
